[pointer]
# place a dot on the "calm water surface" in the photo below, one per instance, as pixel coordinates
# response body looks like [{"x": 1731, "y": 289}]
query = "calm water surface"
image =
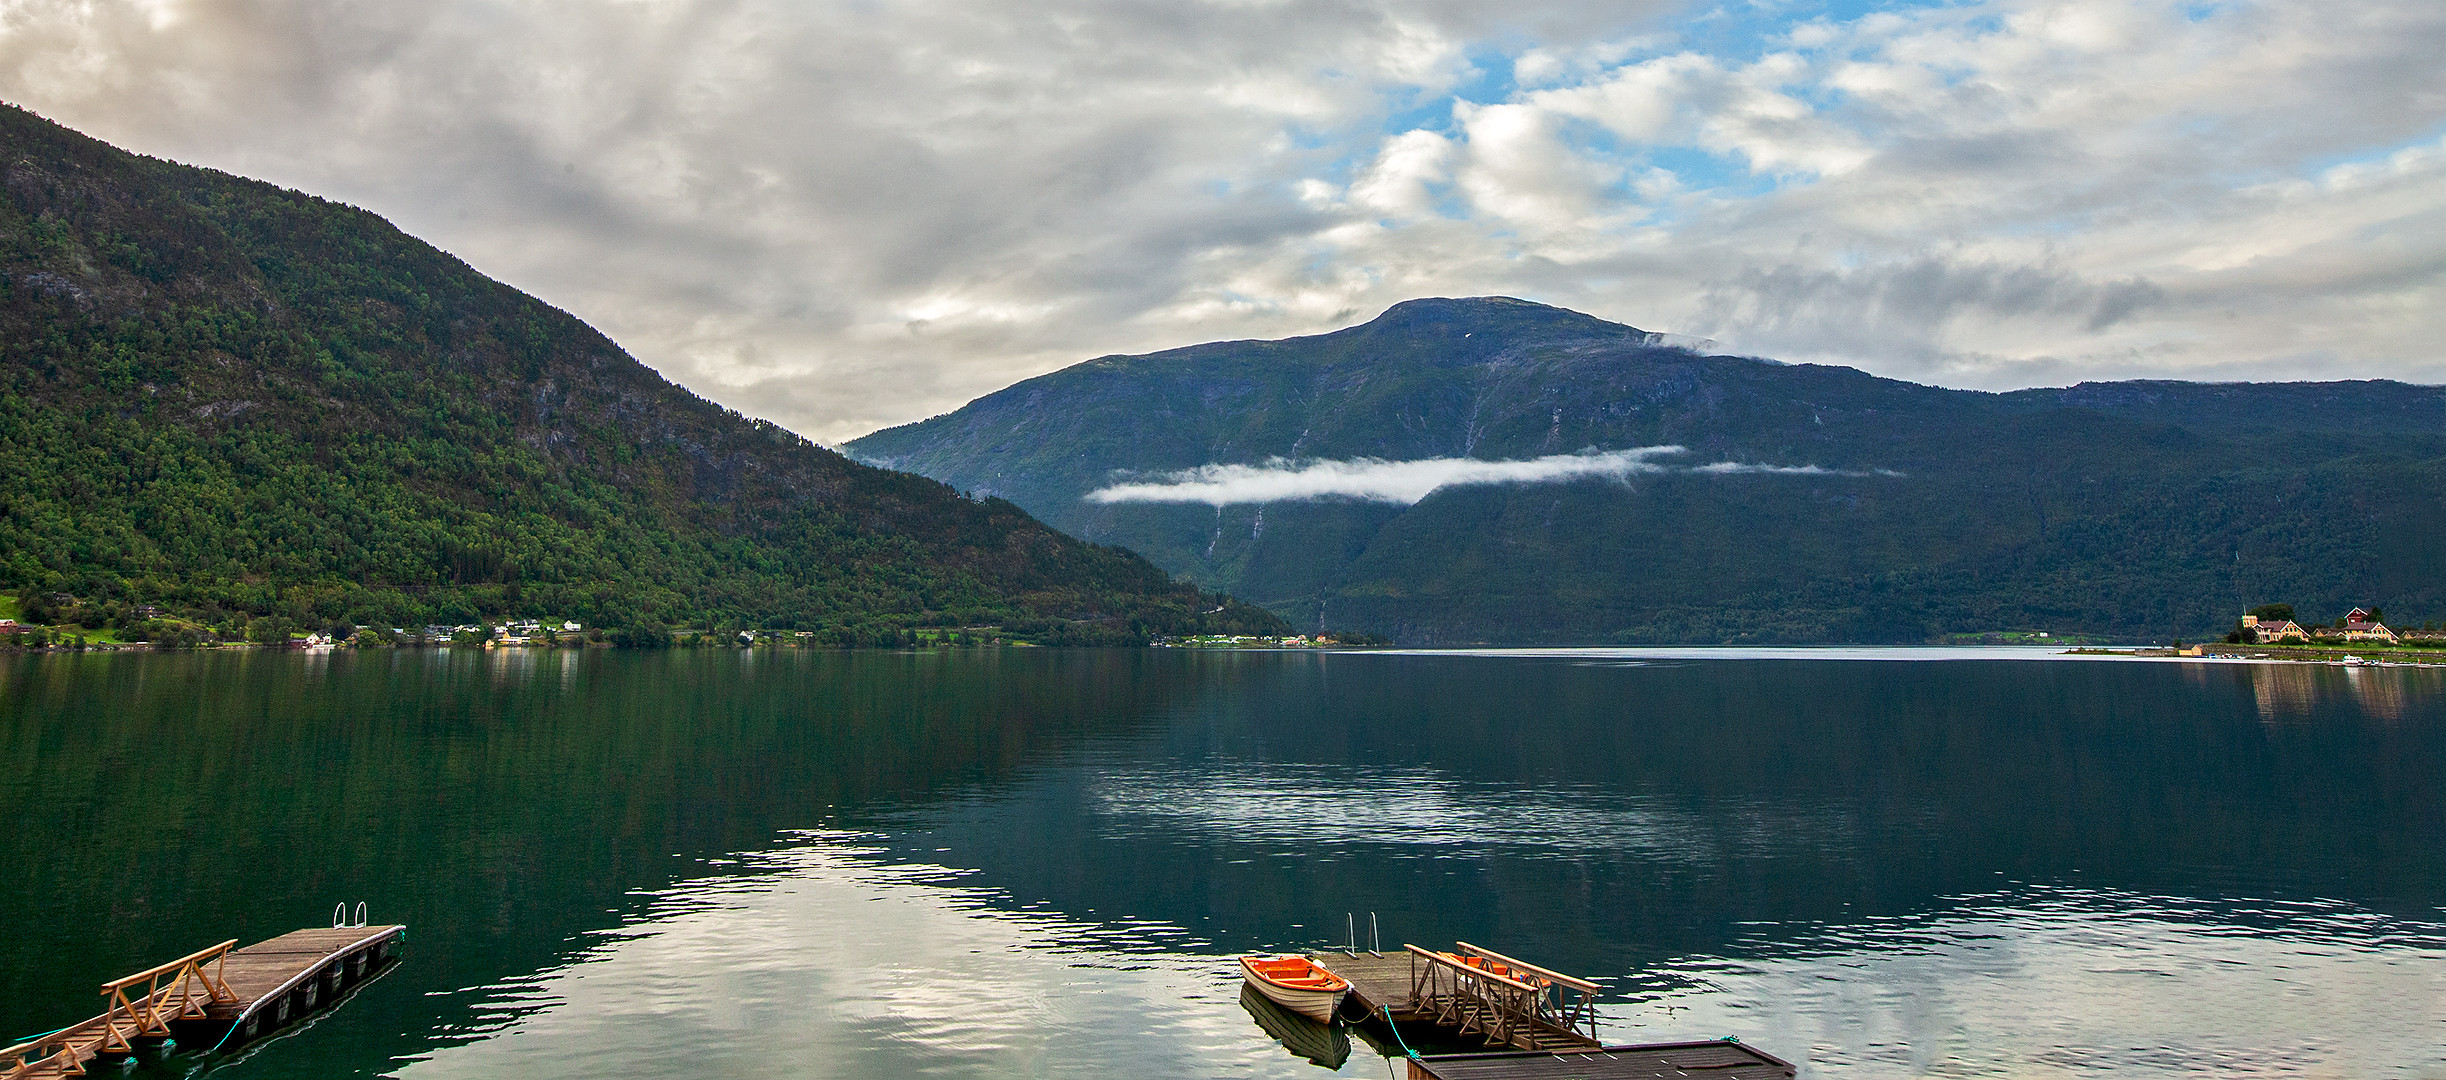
[{"x": 1038, "y": 863}]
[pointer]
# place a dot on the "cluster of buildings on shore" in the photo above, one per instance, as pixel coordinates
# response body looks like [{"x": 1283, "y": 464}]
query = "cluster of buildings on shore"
[
  {"x": 527, "y": 631},
  {"x": 2361, "y": 626},
  {"x": 513, "y": 632},
  {"x": 1246, "y": 641}
]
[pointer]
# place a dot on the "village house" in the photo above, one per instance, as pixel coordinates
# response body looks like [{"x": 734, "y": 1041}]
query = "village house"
[
  {"x": 2359, "y": 625},
  {"x": 2265, "y": 632}
]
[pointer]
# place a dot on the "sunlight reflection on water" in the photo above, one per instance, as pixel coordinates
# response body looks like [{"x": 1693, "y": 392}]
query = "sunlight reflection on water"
[
  {"x": 833, "y": 962},
  {"x": 834, "y": 959},
  {"x": 2059, "y": 982},
  {"x": 1321, "y": 808}
]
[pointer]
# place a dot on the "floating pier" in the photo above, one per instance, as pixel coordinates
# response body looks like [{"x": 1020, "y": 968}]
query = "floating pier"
[
  {"x": 1471, "y": 993},
  {"x": 1717, "y": 1060},
  {"x": 211, "y": 999}
]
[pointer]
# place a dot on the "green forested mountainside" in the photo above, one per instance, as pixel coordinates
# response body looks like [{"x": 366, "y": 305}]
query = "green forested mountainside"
[
  {"x": 2130, "y": 510},
  {"x": 231, "y": 401}
]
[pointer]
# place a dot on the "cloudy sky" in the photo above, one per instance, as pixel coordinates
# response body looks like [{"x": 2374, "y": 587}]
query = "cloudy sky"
[{"x": 842, "y": 214}]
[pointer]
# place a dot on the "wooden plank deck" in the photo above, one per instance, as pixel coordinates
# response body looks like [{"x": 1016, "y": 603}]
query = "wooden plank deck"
[
  {"x": 265, "y": 968},
  {"x": 1716, "y": 1060},
  {"x": 1377, "y": 980},
  {"x": 229, "y": 997}
]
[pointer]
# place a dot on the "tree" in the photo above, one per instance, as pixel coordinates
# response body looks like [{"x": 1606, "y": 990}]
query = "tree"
[{"x": 2274, "y": 612}]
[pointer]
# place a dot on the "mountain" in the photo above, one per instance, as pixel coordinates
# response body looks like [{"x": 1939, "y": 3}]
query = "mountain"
[
  {"x": 233, "y": 402},
  {"x": 1807, "y": 503}
]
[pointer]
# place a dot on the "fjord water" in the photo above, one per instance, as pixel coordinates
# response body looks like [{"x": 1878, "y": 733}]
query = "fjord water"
[{"x": 1038, "y": 862}]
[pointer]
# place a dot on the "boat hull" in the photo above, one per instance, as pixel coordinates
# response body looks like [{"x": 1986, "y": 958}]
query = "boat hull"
[
  {"x": 1316, "y": 1004},
  {"x": 1322, "y": 1044}
]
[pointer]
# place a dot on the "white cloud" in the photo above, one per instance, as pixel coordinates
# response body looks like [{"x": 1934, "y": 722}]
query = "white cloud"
[
  {"x": 1406, "y": 173},
  {"x": 845, "y": 215},
  {"x": 1405, "y": 482}
]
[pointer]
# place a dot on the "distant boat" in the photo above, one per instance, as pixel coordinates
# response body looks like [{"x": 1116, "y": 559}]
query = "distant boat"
[
  {"x": 1296, "y": 983},
  {"x": 2354, "y": 661}
]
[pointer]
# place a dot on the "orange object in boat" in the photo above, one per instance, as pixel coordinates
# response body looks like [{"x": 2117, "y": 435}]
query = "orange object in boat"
[
  {"x": 1503, "y": 970},
  {"x": 1296, "y": 983}
]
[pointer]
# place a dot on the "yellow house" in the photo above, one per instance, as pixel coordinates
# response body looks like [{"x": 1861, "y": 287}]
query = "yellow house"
[{"x": 2269, "y": 633}]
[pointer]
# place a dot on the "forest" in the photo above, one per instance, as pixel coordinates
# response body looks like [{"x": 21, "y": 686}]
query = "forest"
[{"x": 228, "y": 409}]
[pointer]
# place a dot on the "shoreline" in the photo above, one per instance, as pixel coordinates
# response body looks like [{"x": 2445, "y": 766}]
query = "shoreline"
[
  {"x": 1909, "y": 654},
  {"x": 2211, "y": 654}
]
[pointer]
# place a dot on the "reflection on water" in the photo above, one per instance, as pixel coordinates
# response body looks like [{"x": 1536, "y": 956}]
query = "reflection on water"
[
  {"x": 716, "y": 864},
  {"x": 846, "y": 962},
  {"x": 1326, "y": 1046},
  {"x": 831, "y": 960},
  {"x": 2059, "y": 982},
  {"x": 2292, "y": 691},
  {"x": 1430, "y": 814}
]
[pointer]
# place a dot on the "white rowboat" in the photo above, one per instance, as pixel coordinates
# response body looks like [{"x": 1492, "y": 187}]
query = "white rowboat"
[{"x": 1296, "y": 983}]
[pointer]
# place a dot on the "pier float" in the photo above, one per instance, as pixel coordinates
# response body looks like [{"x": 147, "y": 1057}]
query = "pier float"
[
  {"x": 1717, "y": 1060},
  {"x": 215, "y": 998}
]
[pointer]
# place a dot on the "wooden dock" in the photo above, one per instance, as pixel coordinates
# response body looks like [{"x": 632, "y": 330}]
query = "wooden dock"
[
  {"x": 1717, "y": 1060},
  {"x": 1470, "y": 994},
  {"x": 1378, "y": 981},
  {"x": 211, "y": 999}
]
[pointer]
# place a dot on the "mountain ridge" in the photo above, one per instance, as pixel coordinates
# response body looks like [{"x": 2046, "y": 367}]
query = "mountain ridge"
[
  {"x": 2033, "y": 508},
  {"x": 235, "y": 402}
]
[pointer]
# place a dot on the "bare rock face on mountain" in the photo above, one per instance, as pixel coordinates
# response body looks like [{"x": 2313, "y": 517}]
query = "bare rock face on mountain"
[
  {"x": 224, "y": 400},
  {"x": 1805, "y": 503}
]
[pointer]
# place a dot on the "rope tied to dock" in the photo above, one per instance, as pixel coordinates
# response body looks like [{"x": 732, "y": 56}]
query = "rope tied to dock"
[{"x": 1396, "y": 1028}]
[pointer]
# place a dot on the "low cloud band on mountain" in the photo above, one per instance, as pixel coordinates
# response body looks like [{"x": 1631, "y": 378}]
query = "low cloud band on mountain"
[{"x": 1401, "y": 482}]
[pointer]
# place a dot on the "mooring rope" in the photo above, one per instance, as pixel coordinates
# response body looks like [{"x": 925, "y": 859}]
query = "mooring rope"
[
  {"x": 233, "y": 1029},
  {"x": 1405, "y": 1043}
]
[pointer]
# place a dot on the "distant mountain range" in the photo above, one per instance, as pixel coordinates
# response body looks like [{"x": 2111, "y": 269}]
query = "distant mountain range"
[
  {"x": 221, "y": 401},
  {"x": 1494, "y": 470}
]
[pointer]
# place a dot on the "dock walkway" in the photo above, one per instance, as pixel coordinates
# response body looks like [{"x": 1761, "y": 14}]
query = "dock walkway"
[
  {"x": 1377, "y": 981},
  {"x": 1717, "y": 1060},
  {"x": 217, "y": 997}
]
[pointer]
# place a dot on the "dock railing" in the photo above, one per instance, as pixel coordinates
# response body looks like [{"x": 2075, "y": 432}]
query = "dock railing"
[
  {"x": 1520, "y": 1005},
  {"x": 25, "y": 1057},
  {"x": 1572, "y": 1014},
  {"x": 1473, "y": 1000},
  {"x": 180, "y": 988}
]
